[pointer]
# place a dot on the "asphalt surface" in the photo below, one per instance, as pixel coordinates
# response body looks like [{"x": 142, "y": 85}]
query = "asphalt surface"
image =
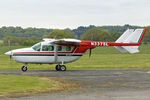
[{"x": 96, "y": 85}]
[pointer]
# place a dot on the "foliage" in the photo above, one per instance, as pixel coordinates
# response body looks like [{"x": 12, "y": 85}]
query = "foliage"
[
  {"x": 25, "y": 34},
  {"x": 20, "y": 32},
  {"x": 111, "y": 29},
  {"x": 147, "y": 35},
  {"x": 61, "y": 34},
  {"x": 119, "y": 29},
  {"x": 21, "y": 41},
  {"x": 96, "y": 34},
  {"x": 80, "y": 30}
]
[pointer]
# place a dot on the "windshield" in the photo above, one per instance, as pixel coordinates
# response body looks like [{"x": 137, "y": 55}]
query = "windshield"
[{"x": 37, "y": 47}]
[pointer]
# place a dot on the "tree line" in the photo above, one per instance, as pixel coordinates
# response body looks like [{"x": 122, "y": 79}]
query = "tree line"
[{"x": 30, "y": 36}]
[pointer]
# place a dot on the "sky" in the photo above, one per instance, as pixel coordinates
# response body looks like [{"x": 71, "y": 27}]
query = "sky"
[{"x": 73, "y": 13}]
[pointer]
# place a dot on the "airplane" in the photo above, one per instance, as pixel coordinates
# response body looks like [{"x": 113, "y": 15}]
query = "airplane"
[{"x": 62, "y": 51}]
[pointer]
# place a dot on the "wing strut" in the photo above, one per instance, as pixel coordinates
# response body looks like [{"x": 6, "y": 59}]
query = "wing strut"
[{"x": 55, "y": 53}]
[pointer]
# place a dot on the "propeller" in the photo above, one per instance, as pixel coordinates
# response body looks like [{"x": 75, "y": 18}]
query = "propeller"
[
  {"x": 90, "y": 52},
  {"x": 9, "y": 49}
]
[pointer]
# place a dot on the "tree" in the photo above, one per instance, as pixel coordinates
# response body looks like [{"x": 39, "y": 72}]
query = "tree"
[
  {"x": 20, "y": 32},
  {"x": 96, "y": 34},
  {"x": 21, "y": 41},
  {"x": 61, "y": 34},
  {"x": 115, "y": 36},
  {"x": 79, "y": 31},
  {"x": 146, "y": 38}
]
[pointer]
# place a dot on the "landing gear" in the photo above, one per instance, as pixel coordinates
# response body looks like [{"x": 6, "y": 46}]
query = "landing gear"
[
  {"x": 24, "y": 68},
  {"x": 58, "y": 67},
  {"x": 61, "y": 68}
]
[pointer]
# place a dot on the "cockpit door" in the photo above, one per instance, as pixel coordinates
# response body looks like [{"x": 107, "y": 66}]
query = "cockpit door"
[{"x": 50, "y": 53}]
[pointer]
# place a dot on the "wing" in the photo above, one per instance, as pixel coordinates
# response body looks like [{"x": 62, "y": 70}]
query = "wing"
[{"x": 67, "y": 42}]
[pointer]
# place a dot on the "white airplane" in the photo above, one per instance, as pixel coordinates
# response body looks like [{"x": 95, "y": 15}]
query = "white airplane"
[{"x": 61, "y": 51}]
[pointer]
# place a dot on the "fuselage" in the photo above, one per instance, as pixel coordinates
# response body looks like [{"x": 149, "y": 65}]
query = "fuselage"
[{"x": 48, "y": 53}]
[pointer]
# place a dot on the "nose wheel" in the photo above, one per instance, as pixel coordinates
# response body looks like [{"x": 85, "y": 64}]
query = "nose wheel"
[
  {"x": 61, "y": 68},
  {"x": 24, "y": 68}
]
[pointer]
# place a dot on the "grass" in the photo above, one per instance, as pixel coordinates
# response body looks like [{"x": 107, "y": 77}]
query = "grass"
[
  {"x": 12, "y": 85},
  {"x": 102, "y": 58},
  {"x": 110, "y": 58}
]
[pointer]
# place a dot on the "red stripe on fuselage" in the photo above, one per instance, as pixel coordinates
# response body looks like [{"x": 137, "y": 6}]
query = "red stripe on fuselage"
[{"x": 42, "y": 53}]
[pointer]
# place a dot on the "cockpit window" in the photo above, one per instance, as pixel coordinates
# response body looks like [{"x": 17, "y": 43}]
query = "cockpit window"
[
  {"x": 37, "y": 47},
  {"x": 47, "y": 48}
]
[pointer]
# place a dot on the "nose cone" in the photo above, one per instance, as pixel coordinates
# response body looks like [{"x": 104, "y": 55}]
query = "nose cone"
[{"x": 9, "y": 53}]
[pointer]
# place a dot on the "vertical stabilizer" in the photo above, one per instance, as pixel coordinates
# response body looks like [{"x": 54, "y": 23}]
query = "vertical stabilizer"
[{"x": 132, "y": 37}]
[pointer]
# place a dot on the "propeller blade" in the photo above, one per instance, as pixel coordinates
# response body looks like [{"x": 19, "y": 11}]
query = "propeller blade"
[{"x": 90, "y": 52}]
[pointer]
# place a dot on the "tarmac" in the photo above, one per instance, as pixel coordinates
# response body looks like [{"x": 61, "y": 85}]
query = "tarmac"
[{"x": 96, "y": 84}]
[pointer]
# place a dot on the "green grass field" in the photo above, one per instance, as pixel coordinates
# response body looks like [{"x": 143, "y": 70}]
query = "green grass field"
[
  {"x": 14, "y": 85},
  {"x": 21, "y": 84},
  {"x": 1, "y": 41},
  {"x": 102, "y": 58}
]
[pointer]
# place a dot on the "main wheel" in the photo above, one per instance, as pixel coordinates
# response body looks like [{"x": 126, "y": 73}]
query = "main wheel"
[
  {"x": 24, "y": 68},
  {"x": 63, "y": 68},
  {"x": 57, "y": 68}
]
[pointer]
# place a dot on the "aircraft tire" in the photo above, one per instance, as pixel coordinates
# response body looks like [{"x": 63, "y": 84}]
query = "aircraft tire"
[
  {"x": 24, "y": 68},
  {"x": 63, "y": 68},
  {"x": 57, "y": 67}
]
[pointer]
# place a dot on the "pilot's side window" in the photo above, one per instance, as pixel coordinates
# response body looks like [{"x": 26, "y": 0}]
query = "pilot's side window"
[
  {"x": 47, "y": 48},
  {"x": 44, "y": 48}
]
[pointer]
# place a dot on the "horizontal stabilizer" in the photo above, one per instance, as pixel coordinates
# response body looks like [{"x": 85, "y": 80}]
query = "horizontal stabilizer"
[
  {"x": 121, "y": 49},
  {"x": 130, "y": 49}
]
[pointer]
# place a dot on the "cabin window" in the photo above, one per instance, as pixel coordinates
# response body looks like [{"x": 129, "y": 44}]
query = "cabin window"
[
  {"x": 59, "y": 48},
  {"x": 50, "y": 48},
  {"x": 47, "y": 48},
  {"x": 68, "y": 48},
  {"x": 37, "y": 47}
]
